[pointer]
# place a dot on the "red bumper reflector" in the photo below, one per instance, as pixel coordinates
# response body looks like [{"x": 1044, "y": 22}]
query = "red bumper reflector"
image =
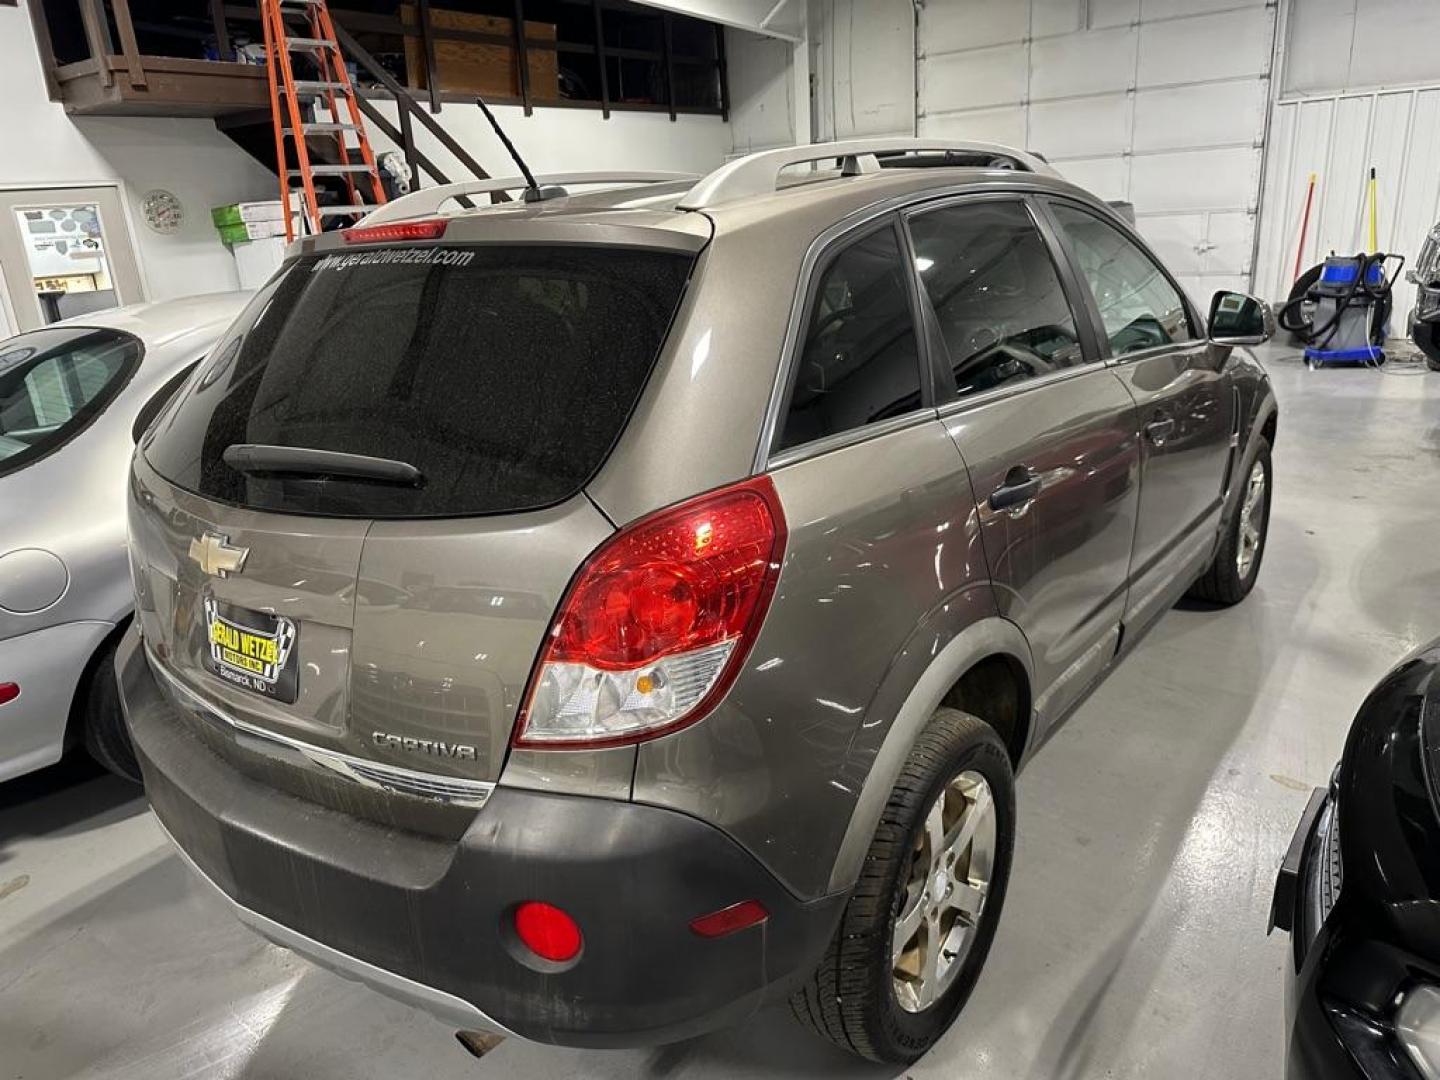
[
  {"x": 401, "y": 230},
  {"x": 547, "y": 931},
  {"x": 730, "y": 919},
  {"x": 9, "y": 691}
]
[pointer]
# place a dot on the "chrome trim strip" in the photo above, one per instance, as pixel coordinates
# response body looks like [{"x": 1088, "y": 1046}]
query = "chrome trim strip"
[
  {"x": 1000, "y": 393},
  {"x": 453, "y": 790},
  {"x": 850, "y": 437},
  {"x": 438, "y": 1003}
]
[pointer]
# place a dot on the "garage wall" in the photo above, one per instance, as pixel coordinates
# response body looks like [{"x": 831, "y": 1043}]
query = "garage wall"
[
  {"x": 570, "y": 140},
  {"x": 761, "y": 91},
  {"x": 1339, "y": 138},
  {"x": 1334, "y": 45},
  {"x": 44, "y": 147},
  {"x": 1361, "y": 88},
  {"x": 1161, "y": 103}
]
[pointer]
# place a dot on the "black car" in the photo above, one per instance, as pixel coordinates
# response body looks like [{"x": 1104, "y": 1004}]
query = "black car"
[
  {"x": 1424, "y": 323},
  {"x": 1359, "y": 892}
]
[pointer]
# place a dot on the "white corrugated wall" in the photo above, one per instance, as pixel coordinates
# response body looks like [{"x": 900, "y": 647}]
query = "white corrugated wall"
[{"x": 1339, "y": 138}]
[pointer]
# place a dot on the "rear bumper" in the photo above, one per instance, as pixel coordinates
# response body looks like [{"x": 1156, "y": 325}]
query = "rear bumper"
[{"x": 427, "y": 919}]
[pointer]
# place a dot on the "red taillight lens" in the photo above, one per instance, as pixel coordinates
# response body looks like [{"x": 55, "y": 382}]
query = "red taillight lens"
[
  {"x": 657, "y": 621},
  {"x": 547, "y": 931},
  {"x": 730, "y": 919},
  {"x": 401, "y": 230},
  {"x": 9, "y": 691}
]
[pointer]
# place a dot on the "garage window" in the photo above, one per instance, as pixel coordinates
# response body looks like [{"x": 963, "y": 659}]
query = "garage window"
[{"x": 53, "y": 383}]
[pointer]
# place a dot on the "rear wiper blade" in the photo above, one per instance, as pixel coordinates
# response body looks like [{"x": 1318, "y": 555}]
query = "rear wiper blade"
[{"x": 301, "y": 461}]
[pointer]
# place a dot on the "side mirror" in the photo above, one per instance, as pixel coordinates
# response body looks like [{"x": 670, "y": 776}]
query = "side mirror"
[{"x": 1238, "y": 319}]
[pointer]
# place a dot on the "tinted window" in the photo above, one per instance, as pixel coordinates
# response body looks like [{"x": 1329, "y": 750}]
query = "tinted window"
[
  {"x": 996, "y": 294},
  {"x": 503, "y": 373},
  {"x": 53, "y": 383},
  {"x": 858, "y": 359},
  {"x": 1138, "y": 305}
]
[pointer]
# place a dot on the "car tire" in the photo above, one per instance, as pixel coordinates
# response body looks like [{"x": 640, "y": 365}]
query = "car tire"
[
  {"x": 854, "y": 997},
  {"x": 1229, "y": 578},
  {"x": 1424, "y": 335},
  {"x": 103, "y": 723}
]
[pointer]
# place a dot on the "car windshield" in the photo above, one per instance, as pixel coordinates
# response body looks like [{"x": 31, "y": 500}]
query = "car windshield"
[
  {"x": 424, "y": 382},
  {"x": 53, "y": 383}
]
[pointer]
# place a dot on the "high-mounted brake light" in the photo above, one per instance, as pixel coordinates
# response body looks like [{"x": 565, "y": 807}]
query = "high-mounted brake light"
[
  {"x": 401, "y": 230},
  {"x": 657, "y": 622}
]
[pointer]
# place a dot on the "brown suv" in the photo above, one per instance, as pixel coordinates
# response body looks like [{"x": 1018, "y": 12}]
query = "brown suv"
[{"x": 592, "y": 616}]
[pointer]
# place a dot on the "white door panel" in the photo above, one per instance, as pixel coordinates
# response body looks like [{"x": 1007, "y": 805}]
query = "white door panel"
[
  {"x": 1198, "y": 180},
  {"x": 1230, "y": 45},
  {"x": 973, "y": 78},
  {"x": 1089, "y": 127},
  {"x": 1005, "y": 125},
  {"x": 1086, "y": 63},
  {"x": 1216, "y": 114}
]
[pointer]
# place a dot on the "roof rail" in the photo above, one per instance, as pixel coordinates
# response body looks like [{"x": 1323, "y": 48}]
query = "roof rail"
[
  {"x": 758, "y": 174},
  {"x": 428, "y": 200}
]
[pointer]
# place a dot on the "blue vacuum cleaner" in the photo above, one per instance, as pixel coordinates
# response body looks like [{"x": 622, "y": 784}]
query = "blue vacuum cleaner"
[{"x": 1351, "y": 301}]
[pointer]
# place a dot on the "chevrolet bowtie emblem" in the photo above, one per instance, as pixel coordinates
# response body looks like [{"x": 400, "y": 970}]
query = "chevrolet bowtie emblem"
[{"x": 215, "y": 556}]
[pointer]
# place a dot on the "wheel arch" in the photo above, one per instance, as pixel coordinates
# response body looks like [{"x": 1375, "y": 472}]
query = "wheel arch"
[
  {"x": 976, "y": 659},
  {"x": 75, "y": 718}
]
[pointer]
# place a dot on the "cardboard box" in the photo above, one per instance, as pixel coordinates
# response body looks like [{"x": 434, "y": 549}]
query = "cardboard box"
[
  {"x": 478, "y": 67},
  {"x": 241, "y": 231},
  {"x": 238, "y": 213}
]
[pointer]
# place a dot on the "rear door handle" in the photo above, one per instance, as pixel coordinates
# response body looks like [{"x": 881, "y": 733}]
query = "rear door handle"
[
  {"x": 1160, "y": 430},
  {"x": 1020, "y": 486}
]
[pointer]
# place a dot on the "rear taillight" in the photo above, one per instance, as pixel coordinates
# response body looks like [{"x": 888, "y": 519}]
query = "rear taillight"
[
  {"x": 9, "y": 691},
  {"x": 657, "y": 622}
]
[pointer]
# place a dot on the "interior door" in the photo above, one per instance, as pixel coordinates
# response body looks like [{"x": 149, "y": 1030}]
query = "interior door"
[
  {"x": 1183, "y": 399},
  {"x": 64, "y": 252},
  {"x": 1045, "y": 429}
]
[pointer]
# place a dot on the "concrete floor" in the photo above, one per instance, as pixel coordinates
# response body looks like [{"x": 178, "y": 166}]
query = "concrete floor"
[{"x": 1133, "y": 942}]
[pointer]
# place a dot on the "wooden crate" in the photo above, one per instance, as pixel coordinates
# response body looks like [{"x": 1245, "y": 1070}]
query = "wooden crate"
[{"x": 475, "y": 66}]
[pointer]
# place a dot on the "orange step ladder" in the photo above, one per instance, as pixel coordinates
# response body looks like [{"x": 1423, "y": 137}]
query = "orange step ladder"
[{"x": 330, "y": 86}]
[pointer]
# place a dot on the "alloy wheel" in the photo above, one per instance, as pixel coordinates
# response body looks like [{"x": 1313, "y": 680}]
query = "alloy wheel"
[
  {"x": 944, "y": 892},
  {"x": 1252, "y": 521}
]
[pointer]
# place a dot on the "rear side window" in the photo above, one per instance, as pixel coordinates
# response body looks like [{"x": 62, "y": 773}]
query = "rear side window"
[
  {"x": 1138, "y": 305},
  {"x": 858, "y": 358},
  {"x": 502, "y": 373},
  {"x": 996, "y": 294},
  {"x": 53, "y": 383}
]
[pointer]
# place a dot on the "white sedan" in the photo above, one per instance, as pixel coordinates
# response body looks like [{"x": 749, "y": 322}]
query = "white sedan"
[{"x": 74, "y": 397}]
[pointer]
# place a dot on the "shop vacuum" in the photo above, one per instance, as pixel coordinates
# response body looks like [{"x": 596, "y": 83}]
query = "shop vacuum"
[{"x": 1344, "y": 315}]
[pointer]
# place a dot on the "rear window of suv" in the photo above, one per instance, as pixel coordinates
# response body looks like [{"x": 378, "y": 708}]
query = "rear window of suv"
[{"x": 503, "y": 374}]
